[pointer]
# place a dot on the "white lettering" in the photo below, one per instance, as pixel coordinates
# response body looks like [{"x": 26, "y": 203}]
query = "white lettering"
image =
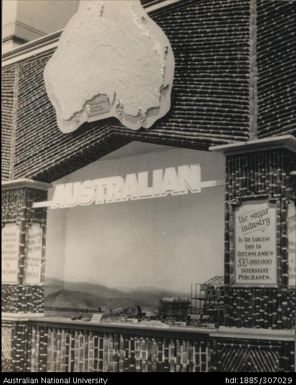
[
  {"x": 86, "y": 194},
  {"x": 144, "y": 190},
  {"x": 170, "y": 183},
  {"x": 189, "y": 178},
  {"x": 130, "y": 187},
  {"x": 143, "y": 185},
  {"x": 157, "y": 183},
  {"x": 113, "y": 191},
  {"x": 58, "y": 197}
]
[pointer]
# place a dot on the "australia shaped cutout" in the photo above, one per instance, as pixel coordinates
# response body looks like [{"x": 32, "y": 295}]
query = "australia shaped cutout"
[{"x": 112, "y": 60}]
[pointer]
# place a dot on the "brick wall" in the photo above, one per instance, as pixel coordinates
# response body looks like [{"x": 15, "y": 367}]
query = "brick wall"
[
  {"x": 245, "y": 355},
  {"x": 91, "y": 348},
  {"x": 50, "y": 346},
  {"x": 276, "y": 60},
  {"x": 17, "y": 208},
  {"x": 250, "y": 176},
  {"x": 8, "y": 92},
  {"x": 15, "y": 346}
]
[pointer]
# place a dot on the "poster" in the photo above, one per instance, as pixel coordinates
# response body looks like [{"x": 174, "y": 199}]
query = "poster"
[
  {"x": 10, "y": 253},
  {"x": 292, "y": 243},
  {"x": 34, "y": 254},
  {"x": 255, "y": 244}
]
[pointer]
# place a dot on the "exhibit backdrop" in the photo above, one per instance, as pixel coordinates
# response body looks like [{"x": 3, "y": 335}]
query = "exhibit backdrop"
[{"x": 140, "y": 247}]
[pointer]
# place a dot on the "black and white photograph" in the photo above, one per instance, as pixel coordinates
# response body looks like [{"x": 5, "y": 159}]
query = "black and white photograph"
[{"x": 148, "y": 188}]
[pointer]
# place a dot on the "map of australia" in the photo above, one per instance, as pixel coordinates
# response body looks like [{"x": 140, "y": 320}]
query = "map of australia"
[{"x": 112, "y": 60}]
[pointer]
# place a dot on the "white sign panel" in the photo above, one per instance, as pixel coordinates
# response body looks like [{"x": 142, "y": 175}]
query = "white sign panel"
[
  {"x": 158, "y": 183},
  {"x": 292, "y": 243},
  {"x": 96, "y": 317},
  {"x": 255, "y": 245},
  {"x": 34, "y": 254},
  {"x": 10, "y": 253}
]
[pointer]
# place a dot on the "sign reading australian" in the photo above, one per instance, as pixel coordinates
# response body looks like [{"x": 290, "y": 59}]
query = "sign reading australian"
[{"x": 142, "y": 185}]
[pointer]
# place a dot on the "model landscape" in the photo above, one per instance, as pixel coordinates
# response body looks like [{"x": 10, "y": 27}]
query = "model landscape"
[{"x": 72, "y": 297}]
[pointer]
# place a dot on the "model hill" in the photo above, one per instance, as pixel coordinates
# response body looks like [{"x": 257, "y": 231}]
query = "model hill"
[{"x": 88, "y": 296}]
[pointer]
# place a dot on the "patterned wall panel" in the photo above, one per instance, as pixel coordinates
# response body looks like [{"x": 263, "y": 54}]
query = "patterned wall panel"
[
  {"x": 244, "y": 359},
  {"x": 276, "y": 60},
  {"x": 246, "y": 355},
  {"x": 17, "y": 208},
  {"x": 255, "y": 176},
  {"x": 8, "y": 97},
  {"x": 79, "y": 349}
]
